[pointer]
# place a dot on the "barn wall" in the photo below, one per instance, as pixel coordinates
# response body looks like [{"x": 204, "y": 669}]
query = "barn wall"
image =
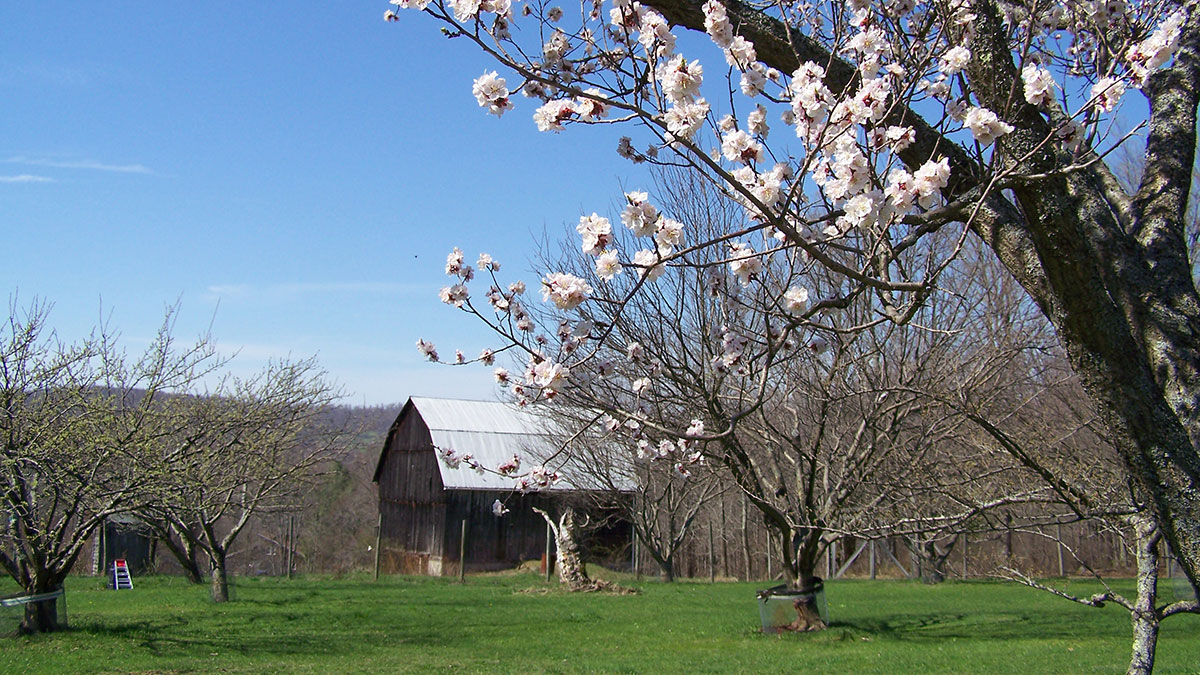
[
  {"x": 494, "y": 542},
  {"x": 411, "y": 502},
  {"x": 421, "y": 521}
]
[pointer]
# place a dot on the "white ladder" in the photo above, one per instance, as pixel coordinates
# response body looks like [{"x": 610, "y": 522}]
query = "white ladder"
[{"x": 120, "y": 576}]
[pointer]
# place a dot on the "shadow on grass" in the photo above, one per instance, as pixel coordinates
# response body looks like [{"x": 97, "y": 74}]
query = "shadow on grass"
[
  {"x": 974, "y": 626},
  {"x": 282, "y": 635}
]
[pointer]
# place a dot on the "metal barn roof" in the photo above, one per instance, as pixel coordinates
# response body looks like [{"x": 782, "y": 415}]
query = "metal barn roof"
[{"x": 492, "y": 432}]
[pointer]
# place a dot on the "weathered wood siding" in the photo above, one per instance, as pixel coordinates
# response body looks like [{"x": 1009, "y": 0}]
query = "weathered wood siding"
[
  {"x": 421, "y": 525},
  {"x": 495, "y": 542},
  {"x": 411, "y": 500}
]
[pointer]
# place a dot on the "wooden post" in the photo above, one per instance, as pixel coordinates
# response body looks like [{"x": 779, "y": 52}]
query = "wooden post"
[
  {"x": 378, "y": 535},
  {"x": 291, "y": 541},
  {"x": 462, "y": 553},
  {"x": 916, "y": 553},
  {"x": 712, "y": 558},
  {"x": 745, "y": 544},
  {"x": 637, "y": 557},
  {"x": 872, "y": 560},
  {"x": 724, "y": 542},
  {"x": 966, "y": 542},
  {"x": 769, "y": 554},
  {"x": 633, "y": 551},
  {"x": 549, "y": 534},
  {"x": 1164, "y": 553},
  {"x": 1058, "y": 541}
]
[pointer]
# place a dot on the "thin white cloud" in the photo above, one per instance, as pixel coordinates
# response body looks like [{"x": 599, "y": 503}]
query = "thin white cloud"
[
  {"x": 46, "y": 73},
  {"x": 85, "y": 164},
  {"x": 228, "y": 290},
  {"x": 292, "y": 290},
  {"x": 257, "y": 353},
  {"x": 26, "y": 178},
  {"x": 366, "y": 374}
]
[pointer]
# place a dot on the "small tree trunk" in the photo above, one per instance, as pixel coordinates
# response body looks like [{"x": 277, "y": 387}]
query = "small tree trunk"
[
  {"x": 220, "y": 578},
  {"x": 1144, "y": 615},
  {"x": 667, "y": 570},
  {"x": 191, "y": 570},
  {"x": 747, "y": 575},
  {"x": 933, "y": 569},
  {"x": 183, "y": 550}
]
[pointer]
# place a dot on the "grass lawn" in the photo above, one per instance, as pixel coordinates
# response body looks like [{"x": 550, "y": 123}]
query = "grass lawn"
[{"x": 515, "y": 623}]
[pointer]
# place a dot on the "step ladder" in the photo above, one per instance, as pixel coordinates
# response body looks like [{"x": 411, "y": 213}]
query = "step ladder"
[{"x": 120, "y": 576}]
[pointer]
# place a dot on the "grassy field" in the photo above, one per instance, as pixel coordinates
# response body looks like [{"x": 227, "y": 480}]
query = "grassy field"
[{"x": 514, "y": 623}]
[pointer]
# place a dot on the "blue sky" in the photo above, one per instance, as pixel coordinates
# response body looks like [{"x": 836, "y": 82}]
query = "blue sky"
[{"x": 293, "y": 175}]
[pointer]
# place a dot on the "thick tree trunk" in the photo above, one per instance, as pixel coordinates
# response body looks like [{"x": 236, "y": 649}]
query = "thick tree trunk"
[
  {"x": 571, "y": 569},
  {"x": 1144, "y": 616},
  {"x": 801, "y": 574},
  {"x": 220, "y": 578},
  {"x": 808, "y": 614},
  {"x": 41, "y": 617}
]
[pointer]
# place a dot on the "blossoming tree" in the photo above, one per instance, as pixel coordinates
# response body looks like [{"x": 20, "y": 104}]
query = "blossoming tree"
[{"x": 870, "y": 139}]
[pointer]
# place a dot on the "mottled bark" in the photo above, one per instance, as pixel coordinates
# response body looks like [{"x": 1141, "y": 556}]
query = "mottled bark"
[
  {"x": 933, "y": 561},
  {"x": 1144, "y": 614},
  {"x": 42, "y": 616},
  {"x": 220, "y": 577},
  {"x": 571, "y": 568}
]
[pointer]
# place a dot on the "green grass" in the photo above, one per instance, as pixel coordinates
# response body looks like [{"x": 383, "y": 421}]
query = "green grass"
[{"x": 494, "y": 624}]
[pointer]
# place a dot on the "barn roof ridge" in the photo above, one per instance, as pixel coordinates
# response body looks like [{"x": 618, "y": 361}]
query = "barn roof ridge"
[{"x": 492, "y": 432}]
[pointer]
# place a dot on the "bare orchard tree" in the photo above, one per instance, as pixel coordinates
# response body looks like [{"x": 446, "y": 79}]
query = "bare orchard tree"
[
  {"x": 249, "y": 446},
  {"x": 1036, "y": 428},
  {"x": 830, "y": 432},
  {"x": 76, "y": 421},
  {"x": 902, "y": 122},
  {"x": 1105, "y": 496},
  {"x": 660, "y": 502},
  {"x": 665, "y": 509},
  {"x": 983, "y": 353}
]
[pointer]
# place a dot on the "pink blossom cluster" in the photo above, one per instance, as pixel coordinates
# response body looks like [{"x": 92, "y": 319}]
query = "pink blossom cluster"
[{"x": 452, "y": 459}]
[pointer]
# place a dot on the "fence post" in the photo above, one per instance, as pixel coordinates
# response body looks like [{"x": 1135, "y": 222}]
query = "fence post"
[
  {"x": 966, "y": 541},
  {"x": 462, "y": 553},
  {"x": 548, "y": 535},
  {"x": 1058, "y": 541},
  {"x": 872, "y": 560},
  {"x": 712, "y": 558},
  {"x": 291, "y": 541},
  {"x": 769, "y": 554},
  {"x": 378, "y": 536}
]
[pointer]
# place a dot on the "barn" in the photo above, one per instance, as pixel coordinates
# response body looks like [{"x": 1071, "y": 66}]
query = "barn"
[{"x": 423, "y": 502}]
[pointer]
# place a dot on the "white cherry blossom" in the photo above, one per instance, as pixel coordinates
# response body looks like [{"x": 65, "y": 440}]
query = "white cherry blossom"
[
  {"x": 985, "y": 125},
  {"x": 566, "y": 291}
]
